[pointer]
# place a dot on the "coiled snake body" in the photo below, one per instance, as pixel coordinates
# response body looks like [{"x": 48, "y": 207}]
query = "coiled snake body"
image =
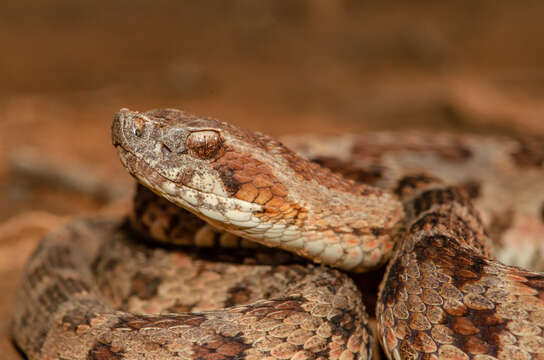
[{"x": 97, "y": 290}]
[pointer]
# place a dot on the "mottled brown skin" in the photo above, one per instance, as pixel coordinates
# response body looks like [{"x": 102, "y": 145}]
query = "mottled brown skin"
[
  {"x": 503, "y": 176},
  {"x": 251, "y": 180},
  {"x": 88, "y": 286},
  {"x": 443, "y": 296}
]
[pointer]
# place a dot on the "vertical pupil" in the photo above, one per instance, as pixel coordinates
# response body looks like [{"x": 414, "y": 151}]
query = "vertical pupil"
[{"x": 205, "y": 145}]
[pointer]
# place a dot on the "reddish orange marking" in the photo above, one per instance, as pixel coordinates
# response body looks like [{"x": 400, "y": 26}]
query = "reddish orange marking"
[
  {"x": 275, "y": 202},
  {"x": 264, "y": 196},
  {"x": 247, "y": 192}
]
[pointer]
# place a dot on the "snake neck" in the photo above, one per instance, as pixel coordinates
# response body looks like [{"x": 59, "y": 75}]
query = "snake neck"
[
  {"x": 306, "y": 208},
  {"x": 251, "y": 185}
]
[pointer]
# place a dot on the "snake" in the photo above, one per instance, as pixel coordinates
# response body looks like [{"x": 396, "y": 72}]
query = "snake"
[{"x": 240, "y": 247}]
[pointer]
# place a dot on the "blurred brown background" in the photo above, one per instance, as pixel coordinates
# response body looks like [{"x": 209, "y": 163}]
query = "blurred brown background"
[{"x": 276, "y": 66}]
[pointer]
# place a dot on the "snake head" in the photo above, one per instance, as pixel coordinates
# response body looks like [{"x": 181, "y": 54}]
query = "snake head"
[
  {"x": 235, "y": 179},
  {"x": 188, "y": 160}
]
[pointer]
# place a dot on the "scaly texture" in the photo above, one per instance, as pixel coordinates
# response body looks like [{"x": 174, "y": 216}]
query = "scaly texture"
[
  {"x": 503, "y": 177},
  {"x": 443, "y": 296},
  {"x": 253, "y": 186},
  {"x": 289, "y": 311}
]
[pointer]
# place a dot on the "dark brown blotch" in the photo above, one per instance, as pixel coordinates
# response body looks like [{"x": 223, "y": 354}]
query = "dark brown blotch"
[
  {"x": 144, "y": 286},
  {"x": 392, "y": 285},
  {"x": 75, "y": 286},
  {"x": 530, "y": 153},
  {"x": 142, "y": 198},
  {"x": 227, "y": 167},
  {"x": 180, "y": 308},
  {"x": 536, "y": 281},
  {"x": 408, "y": 184},
  {"x": 440, "y": 197},
  {"x": 57, "y": 256},
  {"x": 220, "y": 349},
  {"x": 490, "y": 327},
  {"x": 227, "y": 177},
  {"x": 500, "y": 222},
  {"x": 472, "y": 188},
  {"x": 467, "y": 265},
  {"x": 464, "y": 233},
  {"x": 37, "y": 275},
  {"x": 52, "y": 298},
  {"x": 474, "y": 345},
  {"x": 238, "y": 295},
  {"x": 378, "y": 231},
  {"x": 101, "y": 351}
]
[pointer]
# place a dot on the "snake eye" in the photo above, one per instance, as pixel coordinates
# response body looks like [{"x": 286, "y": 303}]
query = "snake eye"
[
  {"x": 203, "y": 144},
  {"x": 139, "y": 125}
]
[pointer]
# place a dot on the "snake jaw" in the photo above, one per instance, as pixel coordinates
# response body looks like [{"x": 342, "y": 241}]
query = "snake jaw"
[{"x": 221, "y": 211}]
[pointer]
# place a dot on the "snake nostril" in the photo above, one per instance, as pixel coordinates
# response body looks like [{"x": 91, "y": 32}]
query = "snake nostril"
[{"x": 116, "y": 129}]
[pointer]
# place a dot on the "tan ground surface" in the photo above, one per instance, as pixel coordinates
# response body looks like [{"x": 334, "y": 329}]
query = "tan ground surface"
[{"x": 279, "y": 67}]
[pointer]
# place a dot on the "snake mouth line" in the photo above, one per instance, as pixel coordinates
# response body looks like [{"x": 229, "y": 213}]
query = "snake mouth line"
[
  {"x": 163, "y": 177},
  {"x": 223, "y": 211}
]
